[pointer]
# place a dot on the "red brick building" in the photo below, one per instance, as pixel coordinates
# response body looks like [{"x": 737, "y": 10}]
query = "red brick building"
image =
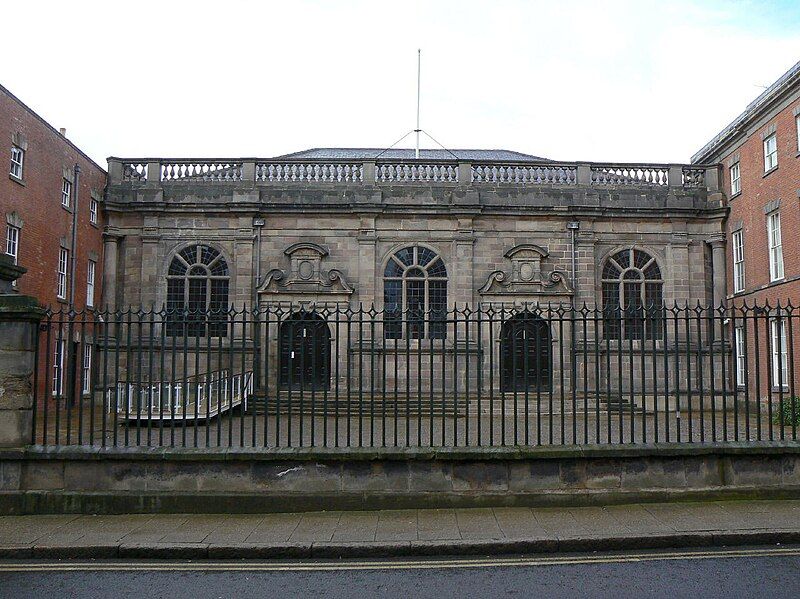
[
  {"x": 50, "y": 203},
  {"x": 760, "y": 157}
]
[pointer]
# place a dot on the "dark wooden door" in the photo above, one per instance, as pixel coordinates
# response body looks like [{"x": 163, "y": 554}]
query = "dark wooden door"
[
  {"x": 305, "y": 352},
  {"x": 525, "y": 360}
]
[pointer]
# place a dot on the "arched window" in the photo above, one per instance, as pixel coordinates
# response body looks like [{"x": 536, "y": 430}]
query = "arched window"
[
  {"x": 197, "y": 293},
  {"x": 632, "y": 296},
  {"x": 415, "y": 294}
]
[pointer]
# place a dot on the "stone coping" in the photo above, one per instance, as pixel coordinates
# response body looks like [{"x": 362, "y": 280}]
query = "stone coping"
[{"x": 400, "y": 454}]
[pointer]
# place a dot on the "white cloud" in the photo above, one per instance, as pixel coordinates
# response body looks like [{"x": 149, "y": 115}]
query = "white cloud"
[{"x": 618, "y": 80}]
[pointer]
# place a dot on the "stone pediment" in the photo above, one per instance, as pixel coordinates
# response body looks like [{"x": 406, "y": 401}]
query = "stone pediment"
[
  {"x": 305, "y": 274},
  {"x": 526, "y": 276}
]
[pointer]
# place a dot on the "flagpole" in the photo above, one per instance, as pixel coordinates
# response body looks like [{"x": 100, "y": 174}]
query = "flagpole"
[{"x": 419, "y": 60}]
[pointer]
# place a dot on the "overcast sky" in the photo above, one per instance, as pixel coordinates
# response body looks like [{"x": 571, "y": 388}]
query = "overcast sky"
[{"x": 570, "y": 80}]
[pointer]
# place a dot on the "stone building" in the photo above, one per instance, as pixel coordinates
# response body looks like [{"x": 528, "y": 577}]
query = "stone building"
[{"x": 326, "y": 232}]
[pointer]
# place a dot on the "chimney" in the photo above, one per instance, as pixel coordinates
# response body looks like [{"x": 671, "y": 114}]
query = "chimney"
[{"x": 63, "y": 132}]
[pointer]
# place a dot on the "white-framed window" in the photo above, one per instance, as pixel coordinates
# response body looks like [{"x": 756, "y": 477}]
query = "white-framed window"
[
  {"x": 775, "y": 246},
  {"x": 736, "y": 179},
  {"x": 12, "y": 242},
  {"x": 770, "y": 152},
  {"x": 780, "y": 359},
  {"x": 93, "y": 211},
  {"x": 738, "y": 261},
  {"x": 63, "y": 265},
  {"x": 17, "y": 161},
  {"x": 86, "y": 385},
  {"x": 66, "y": 192},
  {"x": 740, "y": 355},
  {"x": 58, "y": 367},
  {"x": 91, "y": 267}
]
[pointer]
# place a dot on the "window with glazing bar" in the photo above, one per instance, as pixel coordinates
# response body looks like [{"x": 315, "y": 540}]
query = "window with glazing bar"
[
  {"x": 63, "y": 265},
  {"x": 90, "y": 270},
  {"x": 17, "y": 161},
  {"x": 780, "y": 360},
  {"x": 415, "y": 294},
  {"x": 66, "y": 192},
  {"x": 738, "y": 261},
  {"x": 740, "y": 356},
  {"x": 197, "y": 293},
  {"x": 775, "y": 246},
  {"x": 770, "y": 152},
  {"x": 736, "y": 179},
  {"x": 632, "y": 296},
  {"x": 86, "y": 381},
  {"x": 58, "y": 367},
  {"x": 93, "y": 211}
]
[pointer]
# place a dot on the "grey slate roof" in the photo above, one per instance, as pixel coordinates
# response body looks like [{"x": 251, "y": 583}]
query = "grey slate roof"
[
  {"x": 401, "y": 153},
  {"x": 784, "y": 82}
]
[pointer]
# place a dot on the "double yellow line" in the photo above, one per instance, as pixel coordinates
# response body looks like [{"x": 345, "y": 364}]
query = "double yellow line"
[{"x": 388, "y": 564}]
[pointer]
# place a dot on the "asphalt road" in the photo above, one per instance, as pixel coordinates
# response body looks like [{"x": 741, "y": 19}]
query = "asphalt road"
[{"x": 773, "y": 572}]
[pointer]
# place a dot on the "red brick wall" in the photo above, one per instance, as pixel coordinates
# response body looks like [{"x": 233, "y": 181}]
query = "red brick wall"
[
  {"x": 758, "y": 190},
  {"x": 37, "y": 201}
]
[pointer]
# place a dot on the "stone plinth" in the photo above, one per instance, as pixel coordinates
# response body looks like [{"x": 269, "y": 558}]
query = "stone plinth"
[{"x": 19, "y": 322}]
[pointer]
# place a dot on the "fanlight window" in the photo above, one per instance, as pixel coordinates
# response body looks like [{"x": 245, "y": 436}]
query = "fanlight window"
[
  {"x": 632, "y": 296},
  {"x": 415, "y": 294},
  {"x": 197, "y": 293}
]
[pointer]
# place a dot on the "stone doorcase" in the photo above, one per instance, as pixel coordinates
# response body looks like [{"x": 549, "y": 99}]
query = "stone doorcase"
[
  {"x": 305, "y": 286},
  {"x": 525, "y": 288}
]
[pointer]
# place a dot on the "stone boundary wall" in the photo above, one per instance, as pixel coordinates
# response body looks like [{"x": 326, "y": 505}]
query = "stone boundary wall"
[{"x": 164, "y": 480}]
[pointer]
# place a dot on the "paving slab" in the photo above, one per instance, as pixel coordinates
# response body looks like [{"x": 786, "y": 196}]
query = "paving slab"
[
  {"x": 519, "y": 523},
  {"x": 274, "y": 528},
  {"x": 401, "y": 532},
  {"x": 437, "y": 525},
  {"x": 478, "y": 523},
  {"x": 318, "y": 526},
  {"x": 397, "y": 525},
  {"x": 356, "y": 527}
]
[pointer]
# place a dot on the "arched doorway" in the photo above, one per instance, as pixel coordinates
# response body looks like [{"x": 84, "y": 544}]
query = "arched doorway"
[
  {"x": 305, "y": 352},
  {"x": 525, "y": 360}
]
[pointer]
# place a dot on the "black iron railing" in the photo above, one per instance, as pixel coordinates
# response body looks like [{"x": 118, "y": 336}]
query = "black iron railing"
[{"x": 494, "y": 375}]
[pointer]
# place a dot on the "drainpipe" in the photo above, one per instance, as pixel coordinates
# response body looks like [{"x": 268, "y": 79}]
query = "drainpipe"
[
  {"x": 71, "y": 357},
  {"x": 73, "y": 251},
  {"x": 258, "y": 223},
  {"x": 573, "y": 227}
]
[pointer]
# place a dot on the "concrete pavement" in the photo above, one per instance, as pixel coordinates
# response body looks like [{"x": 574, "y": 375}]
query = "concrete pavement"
[{"x": 402, "y": 532}]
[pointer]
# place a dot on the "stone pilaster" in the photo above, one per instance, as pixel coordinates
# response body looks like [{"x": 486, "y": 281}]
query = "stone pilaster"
[
  {"x": 463, "y": 277},
  {"x": 718, "y": 269},
  {"x": 110, "y": 263},
  {"x": 367, "y": 273},
  {"x": 19, "y": 322},
  {"x": 150, "y": 261}
]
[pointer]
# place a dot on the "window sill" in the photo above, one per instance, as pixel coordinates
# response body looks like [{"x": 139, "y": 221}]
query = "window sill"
[
  {"x": 16, "y": 179},
  {"x": 67, "y": 208},
  {"x": 736, "y": 195},
  {"x": 770, "y": 171},
  {"x": 95, "y": 225},
  {"x": 61, "y": 300}
]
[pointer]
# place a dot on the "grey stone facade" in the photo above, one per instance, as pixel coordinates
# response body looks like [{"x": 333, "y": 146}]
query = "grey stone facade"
[
  {"x": 472, "y": 226},
  {"x": 319, "y": 233}
]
